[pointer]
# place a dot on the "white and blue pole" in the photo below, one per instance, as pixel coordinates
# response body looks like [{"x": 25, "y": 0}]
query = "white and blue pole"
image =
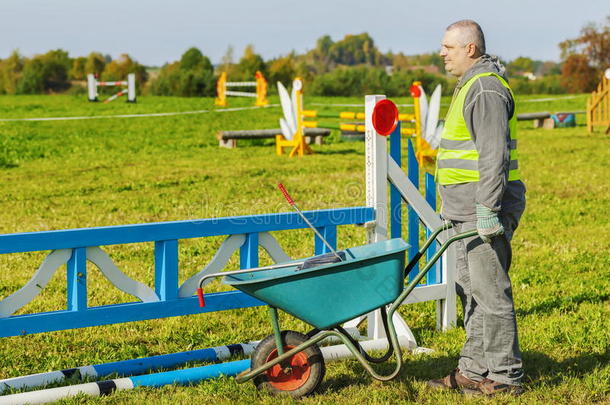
[
  {"x": 182, "y": 377},
  {"x": 128, "y": 367},
  {"x": 96, "y": 389}
]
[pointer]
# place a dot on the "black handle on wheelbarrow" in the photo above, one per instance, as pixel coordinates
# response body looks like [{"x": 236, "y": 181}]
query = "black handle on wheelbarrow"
[
  {"x": 433, "y": 260},
  {"x": 432, "y": 238}
]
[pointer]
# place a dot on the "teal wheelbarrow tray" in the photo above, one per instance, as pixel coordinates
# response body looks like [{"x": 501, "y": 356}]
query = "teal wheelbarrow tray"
[{"x": 325, "y": 292}]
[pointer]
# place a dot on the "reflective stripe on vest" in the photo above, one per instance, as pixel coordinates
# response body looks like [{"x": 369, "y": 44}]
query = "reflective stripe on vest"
[{"x": 457, "y": 161}]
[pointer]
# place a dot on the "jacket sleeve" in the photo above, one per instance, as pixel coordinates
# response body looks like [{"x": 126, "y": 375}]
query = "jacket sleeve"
[{"x": 487, "y": 109}]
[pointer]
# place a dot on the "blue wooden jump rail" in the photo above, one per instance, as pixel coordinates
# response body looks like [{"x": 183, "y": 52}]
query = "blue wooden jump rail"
[{"x": 166, "y": 236}]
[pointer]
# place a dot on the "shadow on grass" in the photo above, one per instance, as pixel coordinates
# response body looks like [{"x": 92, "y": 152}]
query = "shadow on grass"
[
  {"x": 537, "y": 366},
  {"x": 569, "y": 303},
  {"x": 338, "y": 152}
]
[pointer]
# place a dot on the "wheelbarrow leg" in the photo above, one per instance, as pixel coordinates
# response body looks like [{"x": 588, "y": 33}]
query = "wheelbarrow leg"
[
  {"x": 368, "y": 357},
  {"x": 275, "y": 323}
]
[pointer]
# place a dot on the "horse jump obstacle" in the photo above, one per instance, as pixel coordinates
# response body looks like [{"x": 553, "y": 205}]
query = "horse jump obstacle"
[
  {"x": 298, "y": 142},
  {"x": 598, "y": 105},
  {"x": 129, "y": 88},
  {"x": 260, "y": 95},
  {"x": 77, "y": 246}
]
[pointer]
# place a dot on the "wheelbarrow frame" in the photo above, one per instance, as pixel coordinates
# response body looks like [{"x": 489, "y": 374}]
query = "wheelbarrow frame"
[{"x": 315, "y": 336}]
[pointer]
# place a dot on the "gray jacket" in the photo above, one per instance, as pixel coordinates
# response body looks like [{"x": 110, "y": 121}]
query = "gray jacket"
[{"x": 487, "y": 109}]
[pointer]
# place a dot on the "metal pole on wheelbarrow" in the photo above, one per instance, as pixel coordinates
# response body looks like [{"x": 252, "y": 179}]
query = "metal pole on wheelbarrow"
[{"x": 313, "y": 228}]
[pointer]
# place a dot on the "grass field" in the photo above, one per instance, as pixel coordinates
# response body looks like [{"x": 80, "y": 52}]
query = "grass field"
[{"x": 84, "y": 173}]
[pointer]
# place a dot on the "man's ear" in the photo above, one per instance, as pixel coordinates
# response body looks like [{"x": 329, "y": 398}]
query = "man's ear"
[{"x": 472, "y": 50}]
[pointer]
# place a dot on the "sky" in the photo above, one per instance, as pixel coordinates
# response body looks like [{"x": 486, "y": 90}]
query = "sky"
[{"x": 155, "y": 32}]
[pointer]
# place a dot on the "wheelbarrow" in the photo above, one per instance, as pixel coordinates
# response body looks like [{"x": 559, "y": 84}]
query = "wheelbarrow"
[{"x": 324, "y": 291}]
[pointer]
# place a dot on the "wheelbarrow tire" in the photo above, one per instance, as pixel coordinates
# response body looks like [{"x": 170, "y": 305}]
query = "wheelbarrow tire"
[{"x": 307, "y": 367}]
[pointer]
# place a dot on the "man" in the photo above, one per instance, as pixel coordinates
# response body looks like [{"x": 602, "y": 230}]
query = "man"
[{"x": 477, "y": 173}]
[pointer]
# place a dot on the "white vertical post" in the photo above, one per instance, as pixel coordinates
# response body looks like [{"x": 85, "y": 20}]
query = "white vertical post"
[
  {"x": 376, "y": 169},
  {"x": 446, "y": 315},
  {"x": 375, "y": 163},
  {"x": 91, "y": 87},
  {"x": 376, "y": 172},
  {"x": 131, "y": 88}
]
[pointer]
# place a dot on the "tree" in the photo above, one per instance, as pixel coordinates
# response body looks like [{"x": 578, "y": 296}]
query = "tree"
[
  {"x": 33, "y": 78},
  {"x": 119, "y": 68},
  {"x": 320, "y": 56},
  {"x": 10, "y": 72},
  {"x": 548, "y": 68},
  {"x": 78, "y": 70},
  {"x": 282, "y": 70},
  {"x": 194, "y": 59},
  {"x": 521, "y": 64},
  {"x": 44, "y": 73},
  {"x": 95, "y": 63},
  {"x": 249, "y": 64},
  {"x": 323, "y": 44},
  {"x": 227, "y": 63},
  {"x": 57, "y": 65},
  {"x": 355, "y": 50},
  {"x": 400, "y": 61},
  {"x": 192, "y": 76},
  {"x": 168, "y": 81},
  {"x": 577, "y": 76},
  {"x": 593, "y": 43}
]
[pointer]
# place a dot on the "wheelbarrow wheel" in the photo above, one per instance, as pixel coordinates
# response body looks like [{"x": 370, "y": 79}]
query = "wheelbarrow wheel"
[{"x": 298, "y": 376}]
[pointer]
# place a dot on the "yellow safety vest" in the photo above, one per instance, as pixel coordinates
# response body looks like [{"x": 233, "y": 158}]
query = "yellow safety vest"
[{"x": 458, "y": 160}]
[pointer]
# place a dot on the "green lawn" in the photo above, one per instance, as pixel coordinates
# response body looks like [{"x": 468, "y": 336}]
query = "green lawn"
[{"x": 84, "y": 173}]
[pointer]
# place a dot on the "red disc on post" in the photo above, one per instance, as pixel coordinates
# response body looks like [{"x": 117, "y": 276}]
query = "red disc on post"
[
  {"x": 385, "y": 117},
  {"x": 415, "y": 91}
]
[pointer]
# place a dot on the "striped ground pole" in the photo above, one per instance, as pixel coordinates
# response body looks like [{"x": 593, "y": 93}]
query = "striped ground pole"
[
  {"x": 128, "y": 367},
  {"x": 181, "y": 377},
  {"x": 187, "y": 376},
  {"x": 114, "y": 97}
]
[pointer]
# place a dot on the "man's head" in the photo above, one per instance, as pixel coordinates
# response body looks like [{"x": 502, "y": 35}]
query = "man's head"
[{"x": 463, "y": 43}]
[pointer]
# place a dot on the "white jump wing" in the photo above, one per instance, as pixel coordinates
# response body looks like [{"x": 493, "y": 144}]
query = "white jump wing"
[
  {"x": 287, "y": 107},
  {"x": 423, "y": 109},
  {"x": 293, "y": 97},
  {"x": 433, "y": 113},
  {"x": 288, "y": 134},
  {"x": 435, "y": 140}
]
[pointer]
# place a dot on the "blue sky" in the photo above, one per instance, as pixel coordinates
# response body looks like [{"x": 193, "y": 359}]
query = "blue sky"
[{"x": 155, "y": 32}]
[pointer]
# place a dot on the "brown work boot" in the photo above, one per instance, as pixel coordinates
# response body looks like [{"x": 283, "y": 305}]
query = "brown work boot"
[
  {"x": 454, "y": 381},
  {"x": 490, "y": 388}
]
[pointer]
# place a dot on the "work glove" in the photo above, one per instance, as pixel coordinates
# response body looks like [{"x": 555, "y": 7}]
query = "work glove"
[{"x": 488, "y": 223}]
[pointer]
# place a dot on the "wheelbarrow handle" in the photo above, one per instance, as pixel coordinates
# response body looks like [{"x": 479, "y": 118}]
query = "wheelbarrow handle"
[
  {"x": 230, "y": 273},
  {"x": 415, "y": 259},
  {"x": 430, "y": 262}
]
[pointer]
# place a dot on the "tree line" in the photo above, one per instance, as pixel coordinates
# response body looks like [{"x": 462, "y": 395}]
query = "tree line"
[{"x": 348, "y": 67}]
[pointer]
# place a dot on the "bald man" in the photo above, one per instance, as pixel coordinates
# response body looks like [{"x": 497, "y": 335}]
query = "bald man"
[{"x": 480, "y": 187}]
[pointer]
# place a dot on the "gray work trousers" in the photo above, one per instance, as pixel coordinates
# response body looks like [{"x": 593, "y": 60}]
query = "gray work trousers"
[{"x": 492, "y": 347}]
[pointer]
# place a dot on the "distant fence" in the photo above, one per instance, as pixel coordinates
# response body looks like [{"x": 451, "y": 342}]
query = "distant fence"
[{"x": 598, "y": 105}]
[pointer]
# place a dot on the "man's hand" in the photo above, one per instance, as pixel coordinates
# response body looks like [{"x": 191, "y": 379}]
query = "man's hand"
[{"x": 488, "y": 223}]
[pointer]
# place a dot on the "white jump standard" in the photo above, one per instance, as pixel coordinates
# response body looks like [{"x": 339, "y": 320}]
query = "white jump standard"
[{"x": 128, "y": 87}]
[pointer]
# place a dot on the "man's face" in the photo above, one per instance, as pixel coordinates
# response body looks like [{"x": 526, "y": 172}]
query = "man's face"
[{"x": 456, "y": 56}]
